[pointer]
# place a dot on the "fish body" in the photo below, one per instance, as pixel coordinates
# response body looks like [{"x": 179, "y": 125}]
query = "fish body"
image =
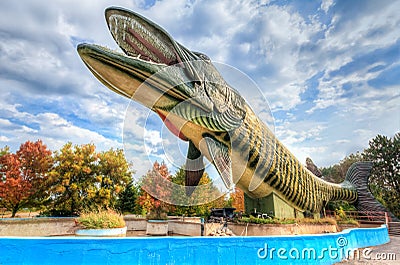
[{"x": 198, "y": 106}]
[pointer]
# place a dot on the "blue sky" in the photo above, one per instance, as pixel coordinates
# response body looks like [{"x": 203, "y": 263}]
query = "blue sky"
[{"x": 329, "y": 70}]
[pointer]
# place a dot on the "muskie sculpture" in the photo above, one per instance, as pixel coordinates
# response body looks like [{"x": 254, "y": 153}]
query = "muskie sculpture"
[{"x": 197, "y": 105}]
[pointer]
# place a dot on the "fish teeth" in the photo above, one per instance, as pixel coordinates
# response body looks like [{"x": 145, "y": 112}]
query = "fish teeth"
[{"x": 118, "y": 22}]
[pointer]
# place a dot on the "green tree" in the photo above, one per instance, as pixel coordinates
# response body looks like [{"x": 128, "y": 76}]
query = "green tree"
[
  {"x": 113, "y": 174},
  {"x": 202, "y": 193},
  {"x": 24, "y": 176},
  {"x": 5, "y": 150},
  {"x": 126, "y": 202},
  {"x": 83, "y": 179},
  {"x": 384, "y": 152},
  {"x": 73, "y": 178},
  {"x": 337, "y": 172}
]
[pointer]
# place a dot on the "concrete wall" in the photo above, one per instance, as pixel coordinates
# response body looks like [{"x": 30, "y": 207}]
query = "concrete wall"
[
  {"x": 185, "y": 219},
  {"x": 184, "y": 228},
  {"x": 135, "y": 223},
  {"x": 37, "y": 227},
  {"x": 272, "y": 229},
  {"x": 276, "y": 229},
  {"x": 306, "y": 249},
  {"x": 66, "y": 226},
  {"x": 137, "y": 226}
]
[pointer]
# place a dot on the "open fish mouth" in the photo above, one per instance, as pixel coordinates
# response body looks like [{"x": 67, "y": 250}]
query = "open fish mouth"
[{"x": 141, "y": 38}]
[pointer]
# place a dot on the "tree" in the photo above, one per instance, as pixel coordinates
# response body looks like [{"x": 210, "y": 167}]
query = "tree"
[
  {"x": 237, "y": 198},
  {"x": 13, "y": 188},
  {"x": 5, "y": 150},
  {"x": 126, "y": 202},
  {"x": 113, "y": 174},
  {"x": 153, "y": 181},
  {"x": 73, "y": 178},
  {"x": 337, "y": 172},
  {"x": 83, "y": 179},
  {"x": 384, "y": 152},
  {"x": 200, "y": 204},
  {"x": 24, "y": 176},
  {"x": 36, "y": 161}
]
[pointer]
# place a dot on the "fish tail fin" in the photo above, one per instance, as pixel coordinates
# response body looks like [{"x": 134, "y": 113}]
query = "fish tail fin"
[{"x": 358, "y": 175}]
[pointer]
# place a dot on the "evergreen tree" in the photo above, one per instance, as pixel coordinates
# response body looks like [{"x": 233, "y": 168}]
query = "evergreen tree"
[
  {"x": 384, "y": 152},
  {"x": 127, "y": 199}
]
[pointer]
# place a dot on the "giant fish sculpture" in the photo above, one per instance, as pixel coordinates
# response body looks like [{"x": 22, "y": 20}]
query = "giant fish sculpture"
[{"x": 198, "y": 106}]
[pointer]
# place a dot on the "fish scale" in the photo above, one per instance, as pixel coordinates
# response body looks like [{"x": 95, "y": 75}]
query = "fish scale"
[{"x": 289, "y": 172}]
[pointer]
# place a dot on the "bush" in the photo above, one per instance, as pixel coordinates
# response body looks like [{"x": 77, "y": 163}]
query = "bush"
[
  {"x": 101, "y": 219},
  {"x": 320, "y": 221},
  {"x": 57, "y": 213},
  {"x": 349, "y": 221},
  {"x": 343, "y": 219},
  {"x": 254, "y": 220}
]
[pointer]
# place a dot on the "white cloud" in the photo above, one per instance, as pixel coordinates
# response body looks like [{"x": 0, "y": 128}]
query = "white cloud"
[
  {"x": 4, "y": 138},
  {"x": 275, "y": 44},
  {"x": 5, "y": 123},
  {"x": 54, "y": 131},
  {"x": 153, "y": 140},
  {"x": 326, "y": 5}
]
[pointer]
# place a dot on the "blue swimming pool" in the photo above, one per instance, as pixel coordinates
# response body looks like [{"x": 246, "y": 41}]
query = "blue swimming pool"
[{"x": 302, "y": 249}]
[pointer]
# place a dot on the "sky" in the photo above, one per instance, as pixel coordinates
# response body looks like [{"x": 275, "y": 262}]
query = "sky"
[{"x": 329, "y": 71}]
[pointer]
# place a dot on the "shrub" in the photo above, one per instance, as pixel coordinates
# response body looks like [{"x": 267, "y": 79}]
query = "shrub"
[
  {"x": 349, "y": 221},
  {"x": 255, "y": 220},
  {"x": 101, "y": 219},
  {"x": 340, "y": 214},
  {"x": 319, "y": 221}
]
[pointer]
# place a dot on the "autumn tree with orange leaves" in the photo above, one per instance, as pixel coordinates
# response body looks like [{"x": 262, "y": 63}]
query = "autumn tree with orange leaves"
[
  {"x": 154, "y": 182},
  {"x": 24, "y": 176},
  {"x": 237, "y": 198}
]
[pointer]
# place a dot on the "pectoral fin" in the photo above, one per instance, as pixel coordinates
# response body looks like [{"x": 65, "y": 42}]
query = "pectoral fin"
[
  {"x": 222, "y": 160},
  {"x": 194, "y": 168}
]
